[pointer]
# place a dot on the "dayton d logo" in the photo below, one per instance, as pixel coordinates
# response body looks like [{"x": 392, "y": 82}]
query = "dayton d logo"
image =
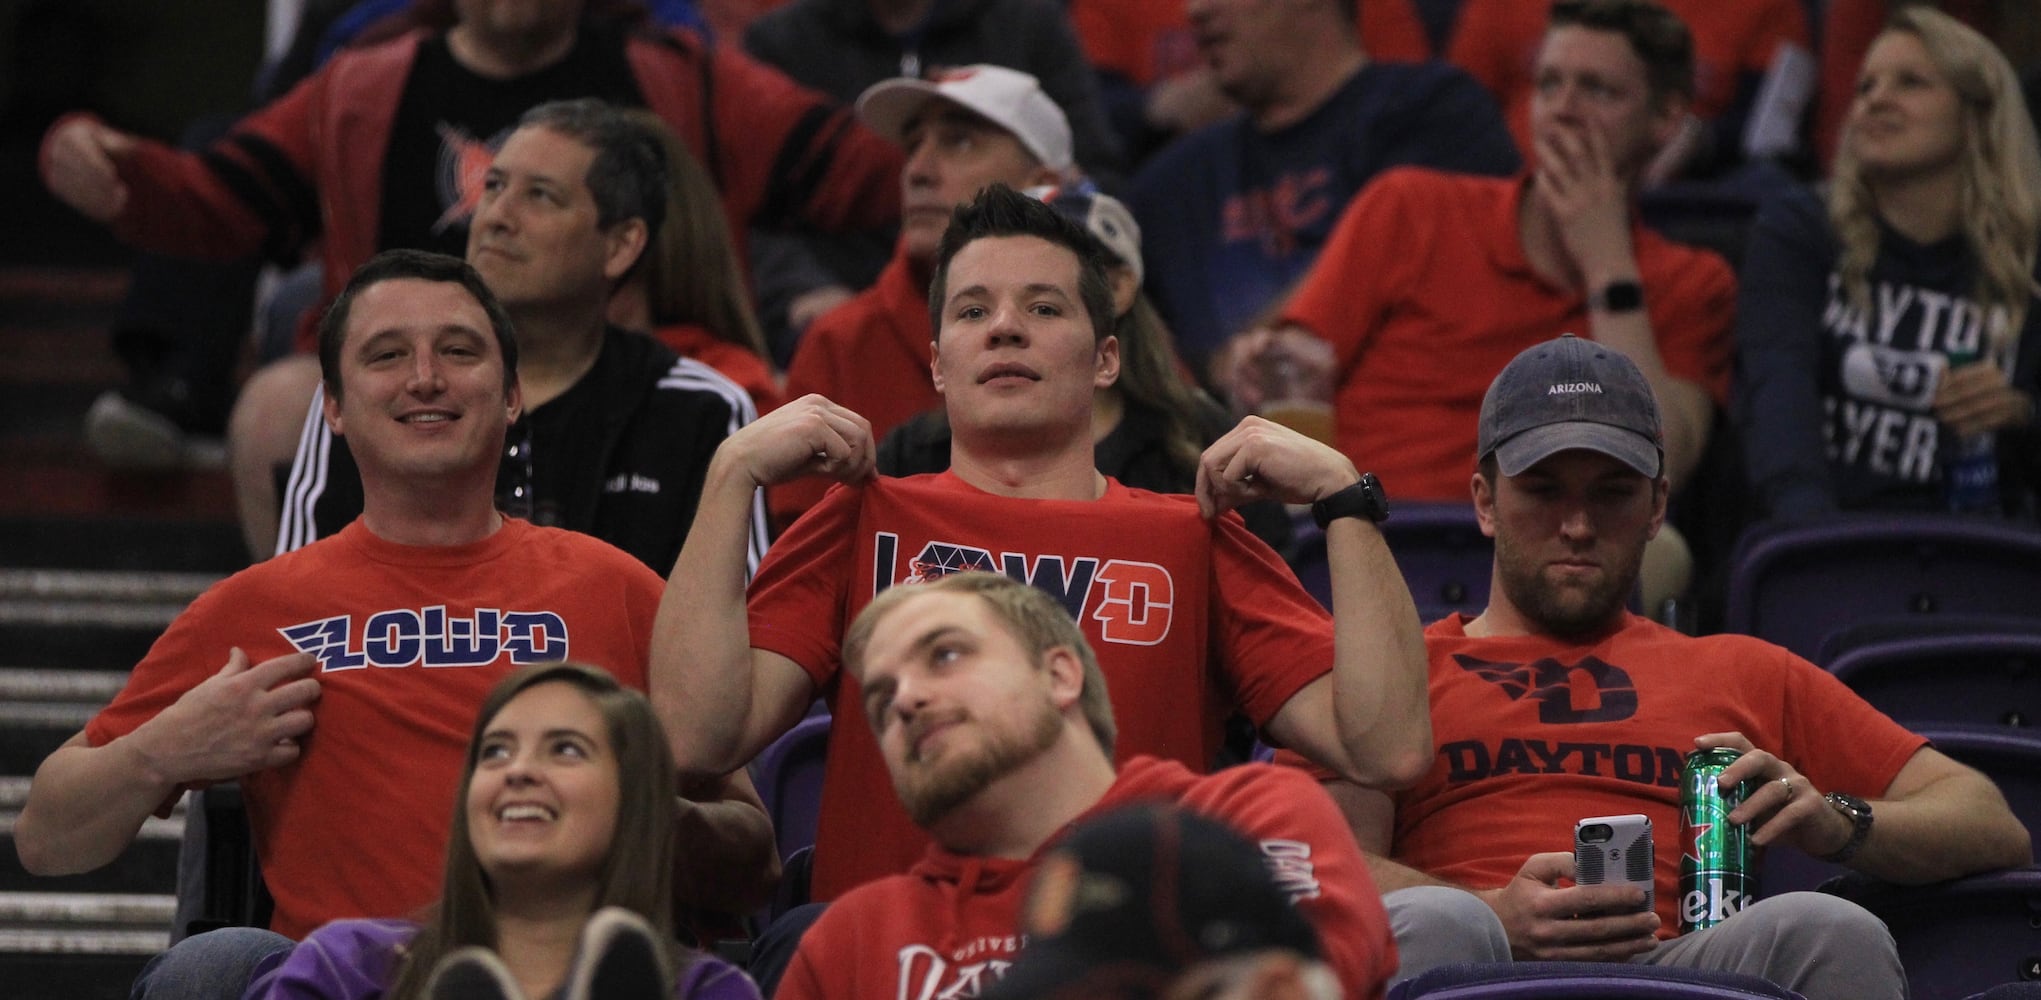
[{"x": 1588, "y": 691}]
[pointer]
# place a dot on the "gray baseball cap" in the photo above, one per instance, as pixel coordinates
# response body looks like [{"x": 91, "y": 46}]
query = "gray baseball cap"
[{"x": 1565, "y": 394}]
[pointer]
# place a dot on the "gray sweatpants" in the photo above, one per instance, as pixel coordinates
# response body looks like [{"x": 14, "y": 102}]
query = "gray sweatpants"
[{"x": 1821, "y": 946}]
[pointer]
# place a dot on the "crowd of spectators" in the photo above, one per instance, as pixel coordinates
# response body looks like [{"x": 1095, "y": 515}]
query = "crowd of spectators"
[{"x": 808, "y": 305}]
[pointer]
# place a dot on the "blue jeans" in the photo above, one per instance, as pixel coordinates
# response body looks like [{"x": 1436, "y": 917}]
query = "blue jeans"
[{"x": 216, "y": 965}]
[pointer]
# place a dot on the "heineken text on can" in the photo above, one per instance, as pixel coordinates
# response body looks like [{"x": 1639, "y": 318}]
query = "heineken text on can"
[{"x": 1718, "y": 863}]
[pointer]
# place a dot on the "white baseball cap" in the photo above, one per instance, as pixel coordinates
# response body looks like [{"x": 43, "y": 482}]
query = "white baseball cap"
[{"x": 1008, "y": 98}]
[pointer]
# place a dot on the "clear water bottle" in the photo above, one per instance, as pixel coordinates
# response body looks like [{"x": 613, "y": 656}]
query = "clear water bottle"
[{"x": 1969, "y": 464}]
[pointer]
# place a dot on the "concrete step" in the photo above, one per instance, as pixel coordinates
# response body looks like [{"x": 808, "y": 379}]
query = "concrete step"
[
  {"x": 78, "y": 945},
  {"x": 110, "y": 911}
]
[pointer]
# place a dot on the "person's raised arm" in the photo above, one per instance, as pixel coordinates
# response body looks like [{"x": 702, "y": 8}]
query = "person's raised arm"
[
  {"x": 1372, "y": 721},
  {"x": 1577, "y": 183},
  {"x": 1938, "y": 819},
  {"x": 720, "y": 700},
  {"x": 86, "y": 802},
  {"x": 731, "y": 861}
]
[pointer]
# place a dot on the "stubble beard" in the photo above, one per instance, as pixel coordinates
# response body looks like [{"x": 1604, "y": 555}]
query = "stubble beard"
[
  {"x": 1566, "y": 612},
  {"x": 932, "y": 790}
]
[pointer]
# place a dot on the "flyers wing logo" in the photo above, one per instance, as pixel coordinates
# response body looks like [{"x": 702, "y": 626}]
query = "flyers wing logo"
[
  {"x": 1588, "y": 691},
  {"x": 405, "y": 637}
]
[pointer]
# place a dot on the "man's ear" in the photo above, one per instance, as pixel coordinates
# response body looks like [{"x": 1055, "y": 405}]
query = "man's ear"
[
  {"x": 1661, "y": 495},
  {"x": 513, "y": 400},
  {"x": 622, "y": 246},
  {"x": 935, "y": 362},
  {"x": 1108, "y": 363},
  {"x": 1484, "y": 502},
  {"x": 1065, "y": 673},
  {"x": 329, "y": 410}
]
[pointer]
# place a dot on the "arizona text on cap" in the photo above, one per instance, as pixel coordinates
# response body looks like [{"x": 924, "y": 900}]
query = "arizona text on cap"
[
  {"x": 1008, "y": 98},
  {"x": 1566, "y": 394}
]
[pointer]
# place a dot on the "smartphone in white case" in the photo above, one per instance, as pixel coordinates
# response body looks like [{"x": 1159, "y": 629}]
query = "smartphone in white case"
[{"x": 1614, "y": 850}]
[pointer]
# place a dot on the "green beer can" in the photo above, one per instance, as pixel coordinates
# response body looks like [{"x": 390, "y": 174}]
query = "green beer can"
[{"x": 1718, "y": 863}]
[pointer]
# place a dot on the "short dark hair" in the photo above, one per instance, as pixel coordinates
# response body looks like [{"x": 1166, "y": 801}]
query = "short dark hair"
[
  {"x": 628, "y": 177},
  {"x": 422, "y": 265},
  {"x": 1660, "y": 39},
  {"x": 1001, "y": 211}
]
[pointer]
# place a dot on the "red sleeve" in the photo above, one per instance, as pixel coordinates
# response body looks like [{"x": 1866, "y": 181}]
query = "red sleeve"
[
  {"x": 1391, "y": 32},
  {"x": 1846, "y": 33},
  {"x": 1314, "y": 856},
  {"x": 1343, "y": 295},
  {"x": 643, "y": 590},
  {"x": 1817, "y": 706},
  {"x": 1692, "y": 324},
  {"x": 1273, "y": 637},
  {"x": 815, "y": 162},
  {"x": 1482, "y": 47},
  {"x": 193, "y": 648},
  {"x": 1780, "y": 22},
  {"x": 799, "y": 598},
  {"x": 800, "y": 981},
  {"x": 248, "y": 193}
]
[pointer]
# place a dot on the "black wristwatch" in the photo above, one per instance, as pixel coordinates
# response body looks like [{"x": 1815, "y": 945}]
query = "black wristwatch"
[
  {"x": 1362, "y": 499},
  {"x": 1617, "y": 297},
  {"x": 1858, "y": 812}
]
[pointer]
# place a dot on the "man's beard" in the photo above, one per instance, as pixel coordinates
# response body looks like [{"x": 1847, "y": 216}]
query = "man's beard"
[
  {"x": 931, "y": 790},
  {"x": 1566, "y": 612}
]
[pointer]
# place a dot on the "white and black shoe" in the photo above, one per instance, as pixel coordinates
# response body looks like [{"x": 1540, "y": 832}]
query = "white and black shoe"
[
  {"x": 621, "y": 958},
  {"x": 472, "y": 973}
]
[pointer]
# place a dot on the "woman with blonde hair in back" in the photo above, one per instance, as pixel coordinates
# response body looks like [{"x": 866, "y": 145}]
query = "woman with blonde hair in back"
[{"x": 1888, "y": 346}]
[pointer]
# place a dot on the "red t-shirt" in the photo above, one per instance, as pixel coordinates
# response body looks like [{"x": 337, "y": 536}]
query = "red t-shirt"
[
  {"x": 410, "y": 640},
  {"x": 1533, "y": 734},
  {"x": 1425, "y": 294},
  {"x": 1190, "y": 618},
  {"x": 950, "y": 927}
]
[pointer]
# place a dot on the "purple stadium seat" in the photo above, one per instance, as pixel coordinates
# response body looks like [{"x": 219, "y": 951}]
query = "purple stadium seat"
[
  {"x": 1962, "y": 937},
  {"x": 788, "y": 774},
  {"x": 1990, "y": 676},
  {"x": 1794, "y": 584},
  {"x": 1439, "y": 547},
  {"x": 1582, "y": 981}
]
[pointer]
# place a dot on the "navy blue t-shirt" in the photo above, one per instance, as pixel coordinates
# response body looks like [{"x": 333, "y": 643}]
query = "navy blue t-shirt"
[{"x": 1231, "y": 217}]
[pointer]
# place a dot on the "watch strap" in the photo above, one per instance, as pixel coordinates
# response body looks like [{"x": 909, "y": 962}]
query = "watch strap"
[
  {"x": 1858, "y": 812},
  {"x": 1363, "y": 499},
  {"x": 1617, "y": 297}
]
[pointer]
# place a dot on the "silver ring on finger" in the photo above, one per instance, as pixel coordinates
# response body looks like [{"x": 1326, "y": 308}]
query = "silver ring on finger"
[{"x": 1787, "y": 783}]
